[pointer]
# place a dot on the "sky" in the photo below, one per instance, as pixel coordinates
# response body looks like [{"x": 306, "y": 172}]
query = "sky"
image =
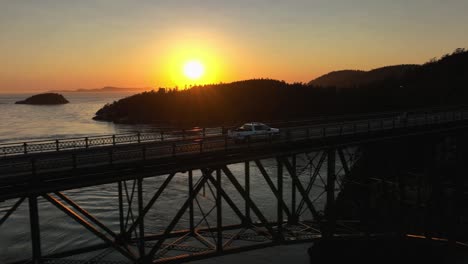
[{"x": 67, "y": 44}]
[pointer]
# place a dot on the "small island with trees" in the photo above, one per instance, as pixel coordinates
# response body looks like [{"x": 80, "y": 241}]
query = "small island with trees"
[{"x": 45, "y": 99}]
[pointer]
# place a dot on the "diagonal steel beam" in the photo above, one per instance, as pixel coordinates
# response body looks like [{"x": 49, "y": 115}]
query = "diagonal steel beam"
[
  {"x": 272, "y": 187},
  {"x": 344, "y": 163},
  {"x": 12, "y": 209},
  {"x": 128, "y": 254},
  {"x": 176, "y": 219},
  {"x": 254, "y": 207},
  {"x": 312, "y": 181},
  {"x": 229, "y": 200},
  {"x": 85, "y": 213},
  {"x": 301, "y": 189},
  {"x": 150, "y": 203}
]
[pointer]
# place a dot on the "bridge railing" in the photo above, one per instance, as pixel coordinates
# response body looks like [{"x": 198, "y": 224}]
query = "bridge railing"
[
  {"x": 396, "y": 120},
  {"x": 121, "y": 154},
  {"x": 48, "y": 145}
]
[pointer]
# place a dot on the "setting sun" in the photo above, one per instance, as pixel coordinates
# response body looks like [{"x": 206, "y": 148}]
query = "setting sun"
[{"x": 194, "y": 70}]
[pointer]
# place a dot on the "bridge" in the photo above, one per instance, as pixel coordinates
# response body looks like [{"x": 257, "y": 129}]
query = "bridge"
[{"x": 310, "y": 171}]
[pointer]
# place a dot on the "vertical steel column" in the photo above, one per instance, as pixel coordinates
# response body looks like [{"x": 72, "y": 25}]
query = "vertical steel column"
[
  {"x": 293, "y": 192},
  {"x": 279, "y": 211},
  {"x": 35, "y": 231},
  {"x": 190, "y": 183},
  {"x": 219, "y": 213},
  {"x": 330, "y": 207},
  {"x": 141, "y": 244},
  {"x": 121, "y": 212},
  {"x": 247, "y": 190}
]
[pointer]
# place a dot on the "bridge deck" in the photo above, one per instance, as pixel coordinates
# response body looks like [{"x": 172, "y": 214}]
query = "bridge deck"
[{"x": 60, "y": 170}]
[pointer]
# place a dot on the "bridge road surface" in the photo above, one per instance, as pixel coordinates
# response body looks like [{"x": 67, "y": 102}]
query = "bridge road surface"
[{"x": 21, "y": 174}]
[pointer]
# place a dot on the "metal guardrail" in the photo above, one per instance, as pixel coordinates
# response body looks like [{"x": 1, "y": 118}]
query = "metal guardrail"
[
  {"x": 127, "y": 153},
  {"x": 49, "y": 145}
]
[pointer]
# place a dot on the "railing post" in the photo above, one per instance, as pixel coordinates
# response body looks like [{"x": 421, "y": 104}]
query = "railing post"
[
  {"x": 25, "y": 147},
  {"x": 139, "y": 137},
  {"x": 113, "y": 140},
  {"x": 204, "y": 133},
  {"x": 86, "y": 142},
  {"x": 162, "y": 135},
  {"x": 57, "y": 146}
]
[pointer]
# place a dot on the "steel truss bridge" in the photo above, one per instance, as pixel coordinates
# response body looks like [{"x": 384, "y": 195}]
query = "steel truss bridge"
[{"x": 221, "y": 212}]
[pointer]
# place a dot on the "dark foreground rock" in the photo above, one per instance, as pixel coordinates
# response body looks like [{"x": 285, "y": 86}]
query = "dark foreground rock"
[
  {"x": 385, "y": 250},
  {"x": 45, "y": 99}
]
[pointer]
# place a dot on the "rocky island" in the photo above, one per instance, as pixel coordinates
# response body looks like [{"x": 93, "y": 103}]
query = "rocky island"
[{"x": 45, "y": 99}]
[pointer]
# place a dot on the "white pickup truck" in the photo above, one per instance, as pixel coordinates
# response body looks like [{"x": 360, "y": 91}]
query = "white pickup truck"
[{"x": 252, "y": 131}]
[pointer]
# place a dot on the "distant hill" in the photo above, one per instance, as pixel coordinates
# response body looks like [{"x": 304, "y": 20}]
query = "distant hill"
[
  {"x": 441, "y": 82},
  {"x": 356, "y": 78},
  {"x": 107, "y": 89}
]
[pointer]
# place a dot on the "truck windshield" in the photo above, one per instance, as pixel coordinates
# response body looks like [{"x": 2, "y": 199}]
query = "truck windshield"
[{"x": 247, "y": 127}]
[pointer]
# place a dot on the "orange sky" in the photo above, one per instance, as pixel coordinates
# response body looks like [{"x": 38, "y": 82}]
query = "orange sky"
[{"x": 54, "y": 44}]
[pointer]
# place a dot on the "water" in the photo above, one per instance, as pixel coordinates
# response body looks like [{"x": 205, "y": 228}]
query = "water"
[
  {"x": 59, "y": 232},
  {"x": 23, "y": 122}
]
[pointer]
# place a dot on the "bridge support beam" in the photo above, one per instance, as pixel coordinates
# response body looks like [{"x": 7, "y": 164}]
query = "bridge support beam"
[
  {"x": 219, "y": 213},
  {"x": 330, "y": 213},
  {"x": 35, "y": 230},
  {"x": 247, "y": 190},
  {"x": 191, "y": 213},
  {"x": 293, "y": 219},
  {"x": 141, "y": 242},
  {"x": 280, "y": 199}
]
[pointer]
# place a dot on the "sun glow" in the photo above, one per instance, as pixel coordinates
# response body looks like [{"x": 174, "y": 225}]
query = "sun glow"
[{"x": 194, "y": 70}]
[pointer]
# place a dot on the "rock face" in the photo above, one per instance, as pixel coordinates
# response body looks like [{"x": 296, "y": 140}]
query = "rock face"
[{"x": 45, "y": 99}]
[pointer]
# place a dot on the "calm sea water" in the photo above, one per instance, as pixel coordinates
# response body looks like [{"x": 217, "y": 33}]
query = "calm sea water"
[
  {"x": 22, "y": 122},
  {"x": 58, "y": 231}
]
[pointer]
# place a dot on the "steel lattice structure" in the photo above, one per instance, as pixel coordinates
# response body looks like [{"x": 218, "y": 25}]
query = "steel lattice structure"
[{"x": 308, "y": 181}]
